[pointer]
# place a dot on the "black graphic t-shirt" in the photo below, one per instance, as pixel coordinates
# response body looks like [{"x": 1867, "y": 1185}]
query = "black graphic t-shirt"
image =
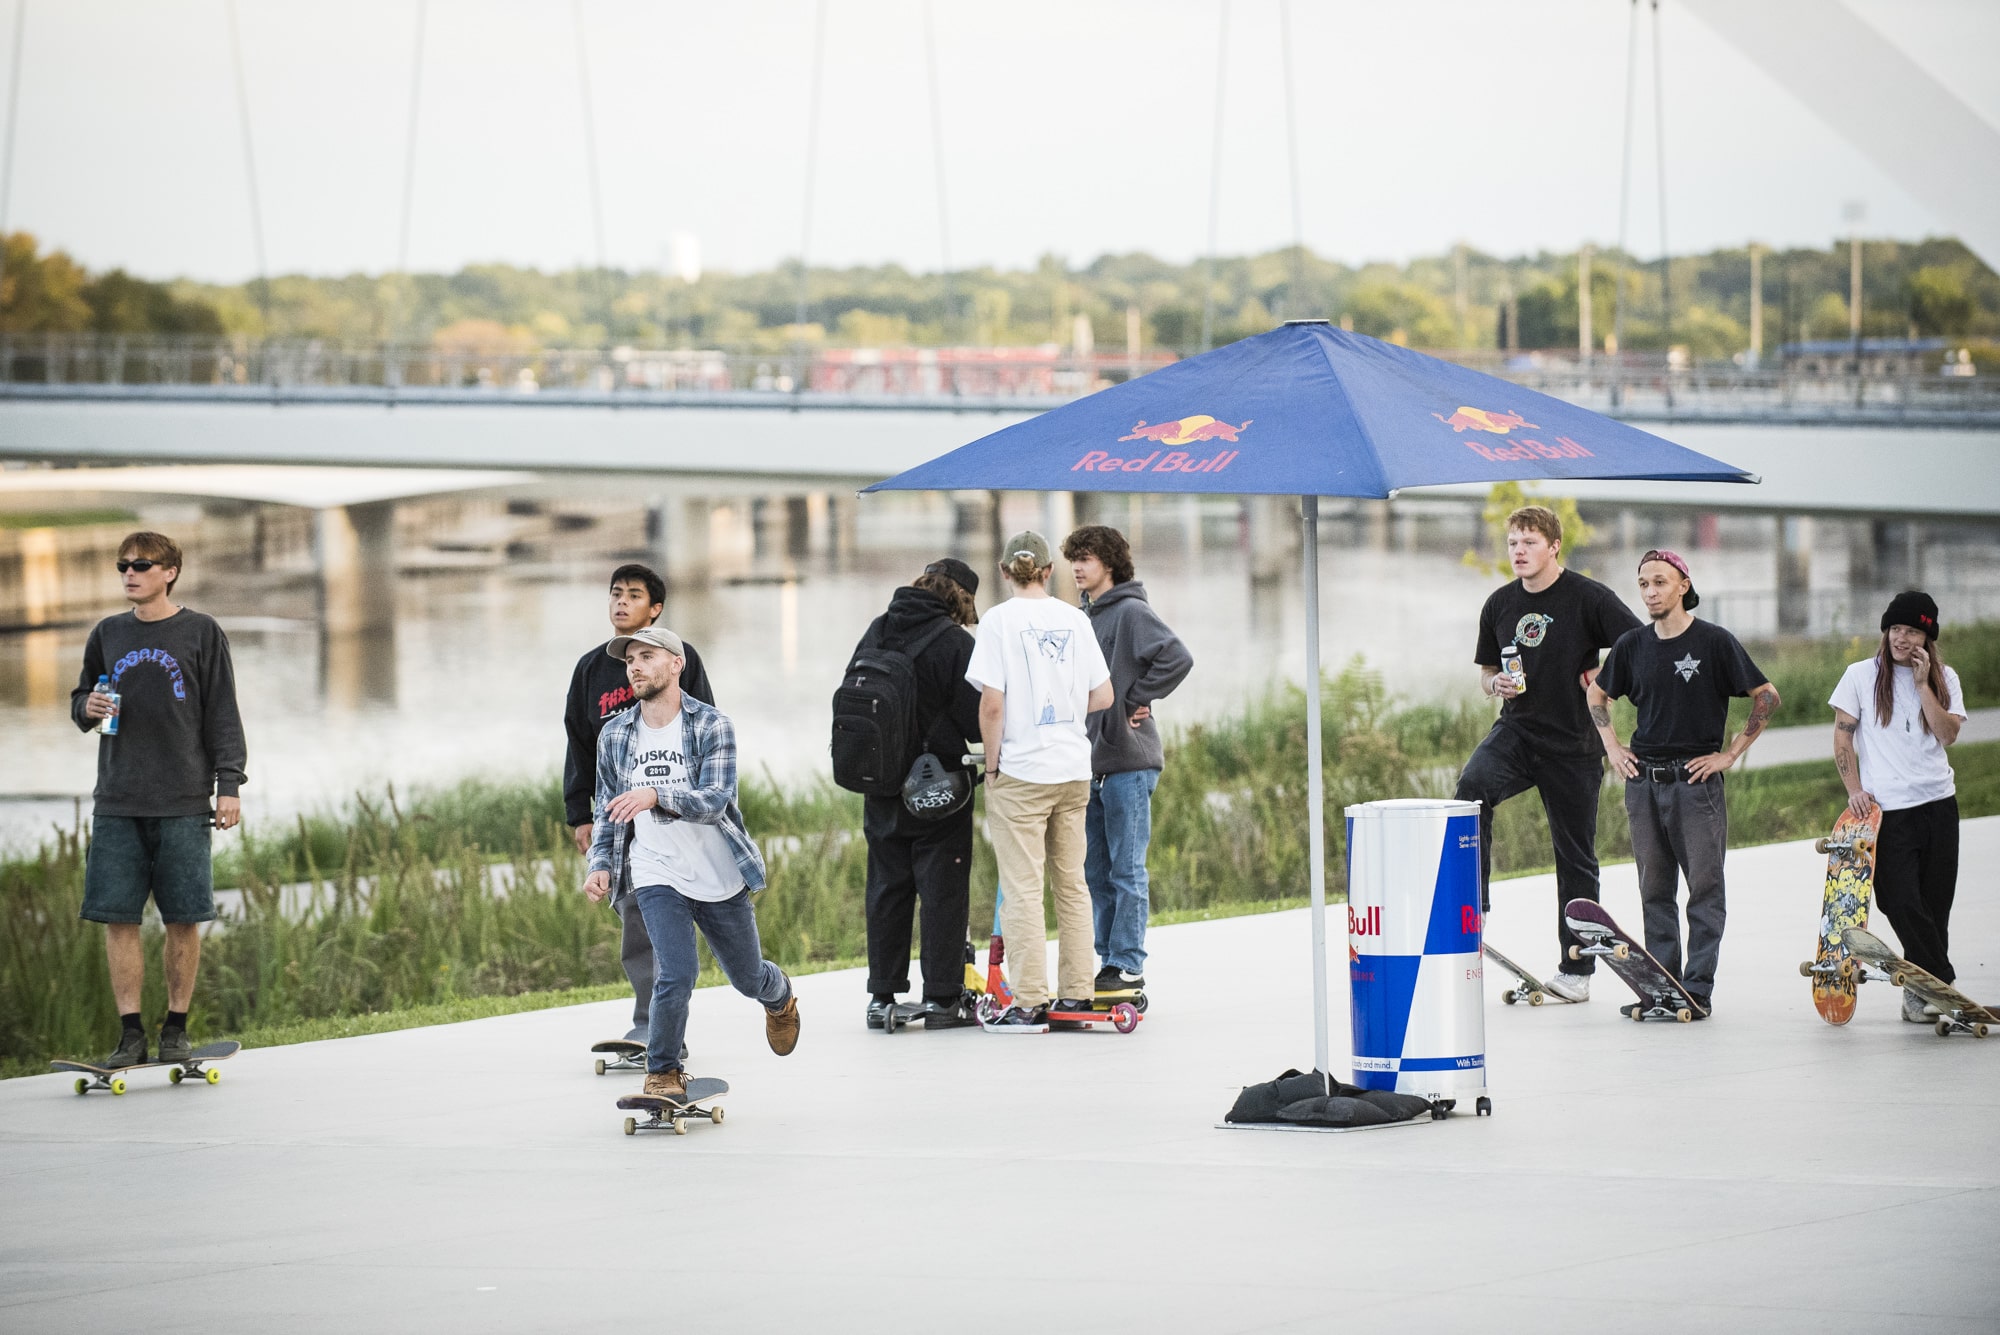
[
  {"x": 1681, "y": 686},
  {"x": 1560, "y": 631}
]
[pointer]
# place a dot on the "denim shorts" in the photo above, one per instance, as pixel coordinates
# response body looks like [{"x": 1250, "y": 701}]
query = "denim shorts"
[{"x": 134, "y": 857}]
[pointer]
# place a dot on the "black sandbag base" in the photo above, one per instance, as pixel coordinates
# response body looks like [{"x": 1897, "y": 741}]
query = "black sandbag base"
[{"x": 1313, "y": 1102}]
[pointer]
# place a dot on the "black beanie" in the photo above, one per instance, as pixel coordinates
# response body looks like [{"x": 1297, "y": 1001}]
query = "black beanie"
[{"x": 1915, "y": 610}]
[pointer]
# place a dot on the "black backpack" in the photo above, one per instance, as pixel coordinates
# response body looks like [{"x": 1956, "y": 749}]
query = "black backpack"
[{"x": 876, "y": 733}]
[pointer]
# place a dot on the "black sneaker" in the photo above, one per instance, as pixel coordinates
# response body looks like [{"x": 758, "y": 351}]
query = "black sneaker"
[
  {"x": 1069, "y": 1006},
  {"x": 131, "y": 1050},
  {"x": 957, "y": 1014},
  {"x": 1019, "y": 1020},
  {"x": 1111, "y": 978},
  {"x": 174, "y": 1045}
]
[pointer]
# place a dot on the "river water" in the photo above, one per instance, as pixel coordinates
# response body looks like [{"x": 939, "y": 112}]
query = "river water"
[{"x": 470, "y": 680}]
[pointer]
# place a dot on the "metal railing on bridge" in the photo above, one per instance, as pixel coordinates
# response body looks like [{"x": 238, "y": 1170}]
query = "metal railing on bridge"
[{"x": 1640, "y": 386}]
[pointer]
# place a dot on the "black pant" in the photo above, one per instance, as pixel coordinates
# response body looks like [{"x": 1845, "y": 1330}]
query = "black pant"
[
  {"x": 909, "y": 860},
  {"x": 1505, "y": 765},
  {"x": 1681, "y": 830},
  {"x": 1916, "y": 876}
]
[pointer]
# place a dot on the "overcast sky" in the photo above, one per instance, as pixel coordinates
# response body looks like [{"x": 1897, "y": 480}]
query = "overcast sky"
[{"x": 1073, "y": 126}]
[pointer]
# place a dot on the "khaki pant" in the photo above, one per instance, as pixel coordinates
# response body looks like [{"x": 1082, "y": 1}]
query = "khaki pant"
[{"x": 1032, "y": 825}]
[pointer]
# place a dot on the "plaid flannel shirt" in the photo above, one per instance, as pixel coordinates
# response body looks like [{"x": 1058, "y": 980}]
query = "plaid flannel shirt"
[{"x": 709, "y": 796}]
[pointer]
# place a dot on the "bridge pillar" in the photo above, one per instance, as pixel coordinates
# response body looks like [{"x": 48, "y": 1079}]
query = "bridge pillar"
[
  {"x": 1270, "y": 531},
  {"x": 682, "y": 536},
  {"x": 1795, "y": 539},
  {"x": 355, "y": 546},
  {"x": 844, "y": 516}
]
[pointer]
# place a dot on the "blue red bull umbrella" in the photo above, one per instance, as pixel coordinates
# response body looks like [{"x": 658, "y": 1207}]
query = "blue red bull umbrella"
[{"x": 1309, "y": 410}]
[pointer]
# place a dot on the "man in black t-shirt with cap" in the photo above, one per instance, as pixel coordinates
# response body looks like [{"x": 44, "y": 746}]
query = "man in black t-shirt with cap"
[
  {"x": 1681, "y": 673},
  {"x": 1555, "y": 621}
]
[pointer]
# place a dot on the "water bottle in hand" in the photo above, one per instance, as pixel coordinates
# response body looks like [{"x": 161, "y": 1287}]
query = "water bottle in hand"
[{"x": 108, "y": 725}]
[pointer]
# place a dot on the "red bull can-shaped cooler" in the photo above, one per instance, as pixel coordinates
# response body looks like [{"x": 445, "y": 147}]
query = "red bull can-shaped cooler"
[{"x": 1413, "y": 947}]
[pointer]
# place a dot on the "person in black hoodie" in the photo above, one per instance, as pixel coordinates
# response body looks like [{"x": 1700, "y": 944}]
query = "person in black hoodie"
[
  {"x": 597, "y": 690},
  {"x": 911, "y": 858}
]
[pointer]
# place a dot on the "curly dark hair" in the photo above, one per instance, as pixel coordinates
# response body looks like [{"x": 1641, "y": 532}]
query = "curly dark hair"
[{"x": 1106, "y": 544}]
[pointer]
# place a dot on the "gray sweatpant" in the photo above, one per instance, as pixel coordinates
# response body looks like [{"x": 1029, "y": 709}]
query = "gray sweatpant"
[
  {"x": 1681, "y": 829},
  {"x": 635, "y": 952}
]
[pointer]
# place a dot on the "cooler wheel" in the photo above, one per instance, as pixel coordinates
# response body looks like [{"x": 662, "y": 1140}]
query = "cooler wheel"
[{"x": 1483, "y": 1107}]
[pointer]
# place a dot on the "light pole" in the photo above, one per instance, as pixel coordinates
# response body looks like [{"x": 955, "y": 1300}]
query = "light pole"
[{"x": 1854, "y": 213}]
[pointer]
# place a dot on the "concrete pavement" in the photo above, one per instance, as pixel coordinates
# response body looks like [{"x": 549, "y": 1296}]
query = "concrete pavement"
[{"x": 1741, "y": 1174}]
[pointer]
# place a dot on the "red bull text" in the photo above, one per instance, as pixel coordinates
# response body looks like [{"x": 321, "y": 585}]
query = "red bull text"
[{"x": 1180, "y": 431}]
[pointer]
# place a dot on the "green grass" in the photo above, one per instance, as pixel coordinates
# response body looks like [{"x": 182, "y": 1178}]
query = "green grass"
[
  {"x": 15, "y": 519},
  {"x": 403, "y": 928}
]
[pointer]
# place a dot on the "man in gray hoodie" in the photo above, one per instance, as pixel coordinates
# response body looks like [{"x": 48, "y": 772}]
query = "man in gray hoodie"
[{"x": 1147, "y": 662}]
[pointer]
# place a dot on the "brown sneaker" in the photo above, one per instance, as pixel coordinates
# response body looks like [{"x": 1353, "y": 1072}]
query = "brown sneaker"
[
  {"x": 666, "y": 1085},
  {"x": 781, "y": 1026}
]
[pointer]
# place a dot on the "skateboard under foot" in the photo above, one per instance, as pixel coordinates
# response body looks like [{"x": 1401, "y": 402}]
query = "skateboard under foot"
[
  {"x": 1850, "y": 871},
  {"x": 664, "y": 1114},
  {"x": 1957, "y": 1013},
  {"x": 190, "y": 1068},
  {"x": 1661, "y": 995}
]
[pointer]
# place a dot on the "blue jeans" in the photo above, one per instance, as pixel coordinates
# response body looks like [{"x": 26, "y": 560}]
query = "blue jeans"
[
  {"x": 1117, "y": 829},
  {"x": 730, "y": 927}
]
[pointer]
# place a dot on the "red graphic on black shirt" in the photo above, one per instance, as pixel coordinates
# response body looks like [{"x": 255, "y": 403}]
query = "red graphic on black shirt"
[{"x": 611, "y": 702}]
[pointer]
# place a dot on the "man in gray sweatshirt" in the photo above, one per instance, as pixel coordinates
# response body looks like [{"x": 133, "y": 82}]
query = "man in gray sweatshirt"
[{"x": 1147, "y": 662}]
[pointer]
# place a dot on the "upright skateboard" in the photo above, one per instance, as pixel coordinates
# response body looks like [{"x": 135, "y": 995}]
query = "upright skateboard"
[
  {"x": 1850, "y": 871},
  {"x": 621, "y": 1054},
  {"x": 665, "y": 1114},
  {"x": 1957, "y": 1013},
  {"x": 1661, "y": 995},
  {"x": 113, "y": 1077},
  {"x": 1531, "y": 989}
]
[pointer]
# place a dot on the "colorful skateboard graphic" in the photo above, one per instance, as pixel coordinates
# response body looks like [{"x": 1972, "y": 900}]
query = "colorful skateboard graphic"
[{"x": 1850, "y": 872}]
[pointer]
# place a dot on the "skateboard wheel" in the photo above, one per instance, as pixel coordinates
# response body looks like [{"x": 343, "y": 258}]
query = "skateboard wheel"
[
  {"x": 117, "y": 1086},
  {"x": 174, "y": 1076},
  {"x": 1536, "y": 998},
  {"x": 1943, "y": 1028},
  {"x": 213, "y": 1076},
  {"x": 600, "y": 1066},
  {"x": 1684, "y": 1015},
  {"x": 1124, "y": 1017},
  {"x": 1639, "y": 1014},
  {"x": 1898, "y": 979},
  {"x": 1576, "y": 952},
  {"x": 631, "y": 1126},
  {"x": 715, "y": 1116},
  {"x": 1849, "y": 967},
  {"x": 82, "y": 1085},
  {"x": 1139, "y": 1003},
  {"x": 1621, "y": 951},
  {"x": 680, "y": 1126},
  {"x": 1508, "y": 997},
  {"x": 1806, "y": 969},
  {"x": 1979, "y": 1031},
  {"x": 1822, "y": 845}
]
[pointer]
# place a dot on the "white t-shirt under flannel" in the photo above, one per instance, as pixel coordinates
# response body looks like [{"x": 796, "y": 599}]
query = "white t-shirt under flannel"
[
  {"x": 1044, "y": 655},
  {"x": 691, "y": 857},
  {"x": 1902, "y": 764}
]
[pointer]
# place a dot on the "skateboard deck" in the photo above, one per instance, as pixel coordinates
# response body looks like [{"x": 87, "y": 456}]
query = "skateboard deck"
[
  {"x": 113, "y": 1077},
  {"x": 621, "y": 1054},
  {"x": 1133, "y": 996},
  {"x": 1121, "y": 1015},
  {"x": 665, "y": 1114},
  {"x": 1531, "y": 989},
  {"x": 1957, "y": 1013},
  {"x": 1850, "y": 872},
  {"x": 1661, "y": 995}
]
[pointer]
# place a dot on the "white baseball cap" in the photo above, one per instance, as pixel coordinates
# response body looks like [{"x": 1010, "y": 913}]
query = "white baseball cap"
[{"x": 657, "y": 636}]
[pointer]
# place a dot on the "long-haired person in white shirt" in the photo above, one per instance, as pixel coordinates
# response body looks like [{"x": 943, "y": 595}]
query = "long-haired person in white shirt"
[
  {"x": 1040, "y": 673},
  {"x": 1894, "y": 714}
]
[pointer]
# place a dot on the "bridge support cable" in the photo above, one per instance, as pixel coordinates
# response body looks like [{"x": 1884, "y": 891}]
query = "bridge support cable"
[
  {"x": 812, "y": 164},
  {"x": 1298, "y": 298},
  {"x": 590, "y": 157},
  {"x": 1660, "y": 165},
  {"x": 1624, "y": 205},
  {"x": 938, "y": 160},
  {"x": 1215, "y": 178},
  {"x": 250, "y": 168},
  {"x": 392, "y": 365}
]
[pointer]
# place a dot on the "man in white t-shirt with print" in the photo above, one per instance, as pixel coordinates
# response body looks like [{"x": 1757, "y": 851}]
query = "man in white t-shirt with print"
[
  {"x": 667, "y": 831},
  {"x": 1040, "y": 673},
  {"x": 1894, "y": 714}
]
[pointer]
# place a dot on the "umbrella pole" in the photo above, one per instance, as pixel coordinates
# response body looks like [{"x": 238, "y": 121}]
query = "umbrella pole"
[{"x": 1315, "y": 783}]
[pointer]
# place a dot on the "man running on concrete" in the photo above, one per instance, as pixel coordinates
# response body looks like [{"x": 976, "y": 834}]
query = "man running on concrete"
[
  {"x": 669, "y": 834},
  {"x": 597, "y": 690},
  {"x": 1147, "y": 662},
  {"x": 1557, "y": 621},
  {"x": 179, "y": 743},
  {"x": 1681, "y": 673}
]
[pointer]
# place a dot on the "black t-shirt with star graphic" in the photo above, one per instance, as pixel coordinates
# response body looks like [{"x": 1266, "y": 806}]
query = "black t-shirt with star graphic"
[
  {"x": 1560, "y": 631},
  {"x": 1681, "y": 687}
]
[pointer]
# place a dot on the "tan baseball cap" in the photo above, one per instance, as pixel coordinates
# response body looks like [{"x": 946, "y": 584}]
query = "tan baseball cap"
[{"x": 657, "y": 636}]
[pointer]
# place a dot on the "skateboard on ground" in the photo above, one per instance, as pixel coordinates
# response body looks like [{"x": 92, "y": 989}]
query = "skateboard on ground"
[
  {"x": 665, "y": 1114},
  {"x": 1661, "y": 995},
  {"x": 113, "y": 1077},
  {"x": 621, "y": 1054},
  {"x": 1850, "y": 871},
  {"x": 1957, "y": 1013},
  {"x": 1532, "y": 989}
]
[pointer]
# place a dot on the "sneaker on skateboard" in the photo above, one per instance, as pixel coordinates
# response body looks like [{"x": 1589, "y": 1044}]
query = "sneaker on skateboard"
[{"x": 664, "y": 1114}]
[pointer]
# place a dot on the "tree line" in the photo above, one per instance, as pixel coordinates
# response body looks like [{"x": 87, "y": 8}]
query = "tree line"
[{"x": 1463, "y": 299}]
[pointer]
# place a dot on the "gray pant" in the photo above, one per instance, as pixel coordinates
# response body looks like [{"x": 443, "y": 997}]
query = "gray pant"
[
  {"x": 635, "y": 952},
  {"x": 1681, "y": 829}
]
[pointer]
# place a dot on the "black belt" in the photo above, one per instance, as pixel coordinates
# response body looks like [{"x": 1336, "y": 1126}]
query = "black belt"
[{"x": 1656, "y": 771}]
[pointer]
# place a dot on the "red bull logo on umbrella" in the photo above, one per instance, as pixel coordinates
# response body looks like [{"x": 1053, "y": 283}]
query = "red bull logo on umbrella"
[
  {"x": 1180, "y": 431},
  {"x": 1521, "y": 449},
  {"x": 1481, "y": 419}
]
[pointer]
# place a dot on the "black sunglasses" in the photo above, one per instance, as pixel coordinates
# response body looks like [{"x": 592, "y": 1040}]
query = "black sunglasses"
[{"x": 141, "y": 565}]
